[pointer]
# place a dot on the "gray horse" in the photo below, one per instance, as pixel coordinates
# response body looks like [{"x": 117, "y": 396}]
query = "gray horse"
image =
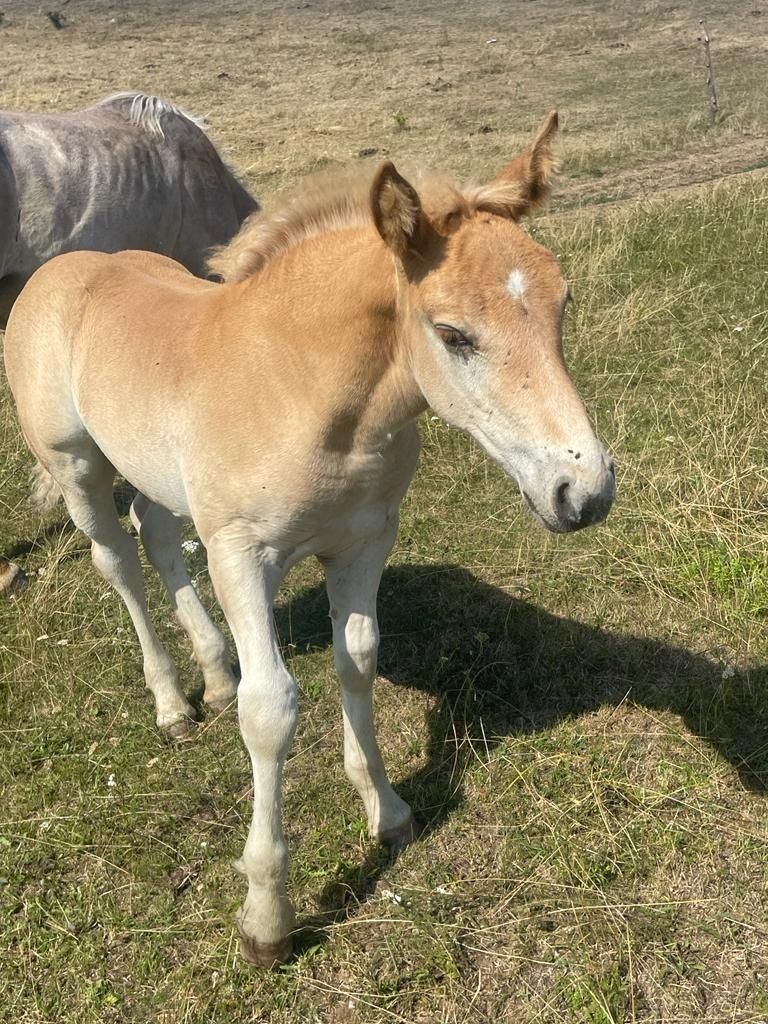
[{"x": 131, "y": 172}]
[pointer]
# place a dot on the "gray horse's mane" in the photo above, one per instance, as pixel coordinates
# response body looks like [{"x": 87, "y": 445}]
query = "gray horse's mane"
[{"x": 147, "y": 111}]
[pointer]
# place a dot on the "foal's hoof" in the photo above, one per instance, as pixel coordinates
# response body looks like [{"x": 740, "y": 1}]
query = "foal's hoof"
[
  {"x": 13, "y": 579},
  {"x": 398, "y": 838},
  {"x": 219, "y": 707},
  {"x": 269, "y": 954},
  {"x": 181, "y": 730}
]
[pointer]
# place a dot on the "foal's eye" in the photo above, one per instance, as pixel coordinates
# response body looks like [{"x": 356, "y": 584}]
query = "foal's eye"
[{"x": 454, "y": 339}]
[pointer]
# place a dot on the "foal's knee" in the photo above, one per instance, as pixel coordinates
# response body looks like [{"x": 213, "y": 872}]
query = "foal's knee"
[
  {"x": 268, "y": 711},
  {"x": 356, "y": 648}
]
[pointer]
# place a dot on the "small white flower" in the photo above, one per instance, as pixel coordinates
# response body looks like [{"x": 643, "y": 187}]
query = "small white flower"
[
  {"x": 111, "y": 780},
  {"x": 729, "y": 672},
  {"x": 190, "y": 546}
]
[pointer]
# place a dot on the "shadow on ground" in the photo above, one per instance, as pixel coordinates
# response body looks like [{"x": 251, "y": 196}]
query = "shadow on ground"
[{"x": 500, "y": 667}]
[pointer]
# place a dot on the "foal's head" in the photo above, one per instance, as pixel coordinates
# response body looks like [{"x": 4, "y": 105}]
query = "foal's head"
[{"x": 486, "y": 313}]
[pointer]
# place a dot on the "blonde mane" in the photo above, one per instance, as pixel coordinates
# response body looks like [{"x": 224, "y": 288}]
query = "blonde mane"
[
  {"x": 338, "y": 199},
  {"x": 328, "y": 201},
  {"x": 148, "y": 112}
]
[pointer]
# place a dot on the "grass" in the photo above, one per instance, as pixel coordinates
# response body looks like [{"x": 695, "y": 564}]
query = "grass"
[
  {"x": 288, "y": 84},
  {"x": 580, "y": 723}
]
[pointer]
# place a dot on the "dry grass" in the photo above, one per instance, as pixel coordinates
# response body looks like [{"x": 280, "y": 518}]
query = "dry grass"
[
  {"x": 291, "y": 87},
  {"x": 580, "y": 722}
]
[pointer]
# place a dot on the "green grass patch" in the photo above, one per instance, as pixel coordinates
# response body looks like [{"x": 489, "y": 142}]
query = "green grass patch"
[{"x": 580, "y": 722}]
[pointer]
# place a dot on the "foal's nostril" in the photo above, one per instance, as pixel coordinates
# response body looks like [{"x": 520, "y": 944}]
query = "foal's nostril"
[
  {"x": 564, "y": 503},
  {"x": 561, "y": 495},
  {"x": 577, "y": 504}
]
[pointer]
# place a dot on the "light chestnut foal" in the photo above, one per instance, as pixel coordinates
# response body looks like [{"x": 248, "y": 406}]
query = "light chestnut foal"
[{"x": 277, "y": 411}]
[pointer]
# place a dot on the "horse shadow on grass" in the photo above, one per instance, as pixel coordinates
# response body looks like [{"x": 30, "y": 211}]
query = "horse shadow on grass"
[{"x": 501, "y": 667}]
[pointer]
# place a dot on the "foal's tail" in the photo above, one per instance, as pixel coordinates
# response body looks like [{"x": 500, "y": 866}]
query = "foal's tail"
[{"x": 45, "y": 492}]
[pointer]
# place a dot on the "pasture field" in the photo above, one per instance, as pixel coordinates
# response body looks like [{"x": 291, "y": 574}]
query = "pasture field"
[{"x": 580, "y": 723}]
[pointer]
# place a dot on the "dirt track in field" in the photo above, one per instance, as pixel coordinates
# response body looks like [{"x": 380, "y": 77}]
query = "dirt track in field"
[{"x": 292, "y": 87}]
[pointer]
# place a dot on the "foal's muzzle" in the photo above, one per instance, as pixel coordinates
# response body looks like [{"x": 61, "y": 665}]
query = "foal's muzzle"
[
  {"x": 576, "y": 500},
  {"x": 576, "y": 507}
]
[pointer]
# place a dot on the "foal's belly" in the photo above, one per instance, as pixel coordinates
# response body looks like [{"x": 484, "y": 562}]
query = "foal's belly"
[{"x": 149, "y": 465}]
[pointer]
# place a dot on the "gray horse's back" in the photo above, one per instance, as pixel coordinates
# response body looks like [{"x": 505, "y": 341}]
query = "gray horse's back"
[{"x": 131, "y": 172}]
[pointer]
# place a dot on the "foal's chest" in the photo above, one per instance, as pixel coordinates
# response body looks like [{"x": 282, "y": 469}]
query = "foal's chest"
[{"x": 352, "y": 495}]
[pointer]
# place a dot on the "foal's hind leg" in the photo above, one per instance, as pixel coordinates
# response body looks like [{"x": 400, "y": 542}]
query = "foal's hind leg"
[
  {"x": 86, "y": 483},
  {"x": 160, "y": 533}
]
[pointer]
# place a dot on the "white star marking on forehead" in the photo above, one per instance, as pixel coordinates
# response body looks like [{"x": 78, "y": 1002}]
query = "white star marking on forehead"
[{"x": 516, "y": 284}]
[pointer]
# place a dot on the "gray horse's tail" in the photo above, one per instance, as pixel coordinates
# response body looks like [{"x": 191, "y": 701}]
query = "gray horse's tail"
[{"x": 45, "y": 491}]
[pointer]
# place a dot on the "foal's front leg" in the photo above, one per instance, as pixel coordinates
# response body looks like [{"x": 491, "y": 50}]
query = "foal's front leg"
[
  {"x": 246, "y": 583},
  {"x": 353, "y": 581}
]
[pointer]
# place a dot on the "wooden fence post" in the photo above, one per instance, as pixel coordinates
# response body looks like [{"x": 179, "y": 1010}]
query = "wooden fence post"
[{"x": 711, "y": 91}]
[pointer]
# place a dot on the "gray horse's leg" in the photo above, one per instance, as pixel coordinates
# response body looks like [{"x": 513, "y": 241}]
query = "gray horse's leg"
[{"x": 10, "y": 289}]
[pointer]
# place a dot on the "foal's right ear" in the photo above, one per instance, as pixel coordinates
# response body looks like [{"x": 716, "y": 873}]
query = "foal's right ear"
[{"x": 396, "y": 209}]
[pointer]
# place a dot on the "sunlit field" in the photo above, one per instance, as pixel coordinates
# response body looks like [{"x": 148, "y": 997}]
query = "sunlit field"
[{"x": 580, "y": 723}]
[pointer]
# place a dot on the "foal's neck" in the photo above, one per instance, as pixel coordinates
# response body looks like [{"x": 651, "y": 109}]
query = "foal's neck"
[{"x": 343, "y": 312}]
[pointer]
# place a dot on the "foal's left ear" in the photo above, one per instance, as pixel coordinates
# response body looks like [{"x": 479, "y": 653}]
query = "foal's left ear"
[
  {"x": 523, "y": 185},
  {"x": 396, "y": 209}
]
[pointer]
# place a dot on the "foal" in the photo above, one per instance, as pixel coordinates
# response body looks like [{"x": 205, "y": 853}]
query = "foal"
[{"x": 277, "y": 411}]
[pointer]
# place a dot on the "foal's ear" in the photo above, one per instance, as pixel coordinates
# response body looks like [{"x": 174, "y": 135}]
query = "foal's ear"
[
  {"x": 523, "y": 185},
  {"x": 396, "y": 209}
]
